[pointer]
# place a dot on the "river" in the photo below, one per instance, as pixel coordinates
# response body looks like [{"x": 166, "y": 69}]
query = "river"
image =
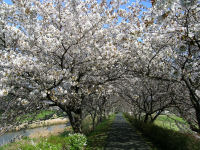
[{"x": 10, "y": 136}]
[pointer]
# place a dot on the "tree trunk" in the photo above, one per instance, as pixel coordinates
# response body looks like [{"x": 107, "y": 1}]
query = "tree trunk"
[
  {"x": 93, "y": 122},
  {"x": 146, "y": 118},
  {"x": 104, "y": 113},
  {"x": 156, "y": 116},
  {"x": 75, "y": 118},
  {"x": 100, "y": 116},
  {"x": 93, "y": 116},
  {"x": 197, "y": 111},
  {"x": 195, "y": 102},
  {"x": 139, "y": 116}
]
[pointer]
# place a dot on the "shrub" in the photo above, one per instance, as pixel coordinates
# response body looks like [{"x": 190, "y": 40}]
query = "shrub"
[
  {"x": 76, "y": 141},
  {"x": 70, "y": 142},
  {"x": 163, "y": 138},
  {"x": 60, "y": 142},
  {"x": 44, "y": 144}
]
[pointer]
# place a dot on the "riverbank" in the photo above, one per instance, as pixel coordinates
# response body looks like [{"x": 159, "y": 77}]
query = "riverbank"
[
  {"x": 35, "y": 133},
  {"x": 61, "y": 141},
  {"x": 63, "y": 138},
  {"x": 40, "y": 123}
]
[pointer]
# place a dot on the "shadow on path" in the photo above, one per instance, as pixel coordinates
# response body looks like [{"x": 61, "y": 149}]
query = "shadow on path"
[{"x": 123, "y": 137}]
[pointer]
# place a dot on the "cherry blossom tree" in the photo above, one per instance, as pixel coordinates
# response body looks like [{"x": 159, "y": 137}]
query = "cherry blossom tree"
[
  {"x": 171, "y": 35},
  {"x": 54, "y": 52},
  {"x": 147, "y": 98},
  {"x": 100, "y": 104},
  {"x": 71, "y": 54}
]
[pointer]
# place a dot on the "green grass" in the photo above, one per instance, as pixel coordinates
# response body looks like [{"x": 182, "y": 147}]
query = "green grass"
[
  {"x": 87, "y": 125},
  {"x": 97, "y": 138},
  {"x": 44, "y": 114},
  {"x": 163, "y": 138},
  {"x": 63, "y": 141},
  {"x": 169, "y": 122}
]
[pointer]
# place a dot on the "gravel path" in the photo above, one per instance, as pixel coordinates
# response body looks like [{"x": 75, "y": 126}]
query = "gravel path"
[{"x": 123, "y": 137}]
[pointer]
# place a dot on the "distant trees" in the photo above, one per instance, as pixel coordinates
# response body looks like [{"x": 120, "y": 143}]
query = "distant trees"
[{"x": 148, "y": 98}]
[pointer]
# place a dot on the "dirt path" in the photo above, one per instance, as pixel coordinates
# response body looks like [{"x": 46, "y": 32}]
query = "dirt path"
[{"x": 123, "y": 137}]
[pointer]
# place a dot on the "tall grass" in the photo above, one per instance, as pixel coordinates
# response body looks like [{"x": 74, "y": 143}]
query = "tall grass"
[
  {"x": 87, "y": 125},
  {"x": 66, "y": 140},
  {"x": 164, "y": 138},
  {"x": 97, "y": 138},
  {"x": 171, "y": 122},
  {"x": 63, "y": 141}
]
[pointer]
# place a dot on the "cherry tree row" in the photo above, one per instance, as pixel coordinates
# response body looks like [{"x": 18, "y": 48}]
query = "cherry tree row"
[{"x": 87, "y": 57}]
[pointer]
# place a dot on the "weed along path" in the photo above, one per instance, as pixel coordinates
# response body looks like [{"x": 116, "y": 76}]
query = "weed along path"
[{"x": 123, "y": 137}]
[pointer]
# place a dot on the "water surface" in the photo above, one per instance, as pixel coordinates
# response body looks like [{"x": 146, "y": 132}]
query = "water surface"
[{"x": 10, "y": 136}]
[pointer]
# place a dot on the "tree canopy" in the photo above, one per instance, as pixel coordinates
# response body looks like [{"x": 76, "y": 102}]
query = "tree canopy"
[{"x": 87, "y": 57}]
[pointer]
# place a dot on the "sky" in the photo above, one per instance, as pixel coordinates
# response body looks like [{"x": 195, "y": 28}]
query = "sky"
[
  {"x": 148, "y": 4},
  {"x": 8, "y": 1}
]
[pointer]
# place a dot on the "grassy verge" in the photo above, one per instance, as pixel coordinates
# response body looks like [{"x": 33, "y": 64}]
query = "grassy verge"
[
  {"x": 164, "y": 138},
  {"x": 87, "y": 125},
  {"x": 63, "y": 141},
  {"x": 41, "y": 123},
  {"x": 169, "y": 122},
  {"x": 42, "y": 115},
  {"x": 43, "y": 118},
  {"x": 97, "y": 138}
]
